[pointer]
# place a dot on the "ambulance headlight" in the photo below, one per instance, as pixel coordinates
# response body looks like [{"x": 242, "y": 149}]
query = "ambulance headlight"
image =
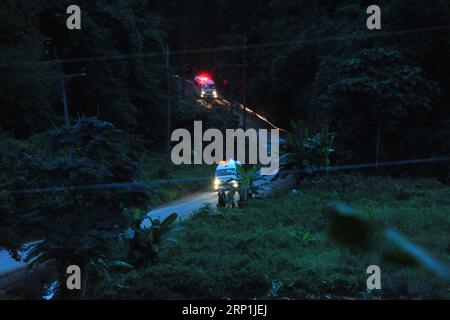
[
  {"x": 235, "y": 184},
  {"x": 216, "y": 183}
]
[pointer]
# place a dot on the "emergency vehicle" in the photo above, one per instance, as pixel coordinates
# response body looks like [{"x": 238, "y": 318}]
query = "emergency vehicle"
[
  {"x": 205, "y": 87},
  {"x": 226, "y": 173},
  {"x": 226, "y": 176}
]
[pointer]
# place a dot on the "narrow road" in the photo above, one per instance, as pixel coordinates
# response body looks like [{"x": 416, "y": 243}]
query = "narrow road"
[
  {"x": 7, "y": 263},
  {"x": 185, "y": 206}
]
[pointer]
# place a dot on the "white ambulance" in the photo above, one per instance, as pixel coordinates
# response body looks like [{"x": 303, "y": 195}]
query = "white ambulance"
[
  {"x": 226, "y": 172},
  {"x": 205, "y": 87}
]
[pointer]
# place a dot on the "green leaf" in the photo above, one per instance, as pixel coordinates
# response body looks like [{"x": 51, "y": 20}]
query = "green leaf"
[
  {"x": 306, "y": 236},
  {"x": 137, "y": 215},
  {"x": 168, "y": 221}
]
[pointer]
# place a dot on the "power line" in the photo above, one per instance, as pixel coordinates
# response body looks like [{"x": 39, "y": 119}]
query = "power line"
[
  {"x": 372, "y": 165},
  {"x": 148, "y": 182},
  {"x": 225, "y": 48}
]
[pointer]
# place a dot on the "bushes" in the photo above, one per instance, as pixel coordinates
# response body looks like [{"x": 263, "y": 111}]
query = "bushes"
[
  {"x": 78, "y": 225},
  {"x": 276, "y": 248}
]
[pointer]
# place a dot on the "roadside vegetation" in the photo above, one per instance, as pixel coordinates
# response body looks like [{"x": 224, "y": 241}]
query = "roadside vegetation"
[
  {"x": 80, "y": 214},
  {"x": 344, "y": 96},
  {"x": 190, "y": 178},
  {"x": 280, "y": 247}
]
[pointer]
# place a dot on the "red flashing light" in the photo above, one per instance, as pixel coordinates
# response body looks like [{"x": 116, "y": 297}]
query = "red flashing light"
[{"x": 203, "y": 78}]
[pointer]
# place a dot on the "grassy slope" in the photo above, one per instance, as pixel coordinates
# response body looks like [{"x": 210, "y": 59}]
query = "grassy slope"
[{"x": 246, "y": 253}]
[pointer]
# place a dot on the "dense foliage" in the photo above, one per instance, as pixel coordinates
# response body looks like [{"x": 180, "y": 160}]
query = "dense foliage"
[
  {"x": 386, "y": 96},
  {"x": 279, "y": 248},
  {"x": 370, "y": 96},
  {"x": 75, "y": 224}
]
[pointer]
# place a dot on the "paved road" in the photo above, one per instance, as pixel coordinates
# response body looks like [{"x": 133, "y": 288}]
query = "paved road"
[
  {"x": 7, "y": 263},
  {"x": 184, "y": 207},
  {"x": 187, "y": 205},
  {"x": 253, "y": 119}
]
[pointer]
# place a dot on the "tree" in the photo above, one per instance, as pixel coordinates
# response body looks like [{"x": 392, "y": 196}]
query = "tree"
[
  {"x": 82, "y": 220},
  {"x": 305, "y": 152},
  {"x": 374, "y": 88}
]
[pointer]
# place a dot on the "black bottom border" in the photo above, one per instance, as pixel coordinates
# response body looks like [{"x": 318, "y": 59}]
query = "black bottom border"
[{"x": 187, "y": 309}]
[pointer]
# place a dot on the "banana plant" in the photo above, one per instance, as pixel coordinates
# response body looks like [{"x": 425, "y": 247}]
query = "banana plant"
[
  {"x": 145, "y": 242},
  {"x": 243, "y": 185},
  {"x": 304, "y": 151}
]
